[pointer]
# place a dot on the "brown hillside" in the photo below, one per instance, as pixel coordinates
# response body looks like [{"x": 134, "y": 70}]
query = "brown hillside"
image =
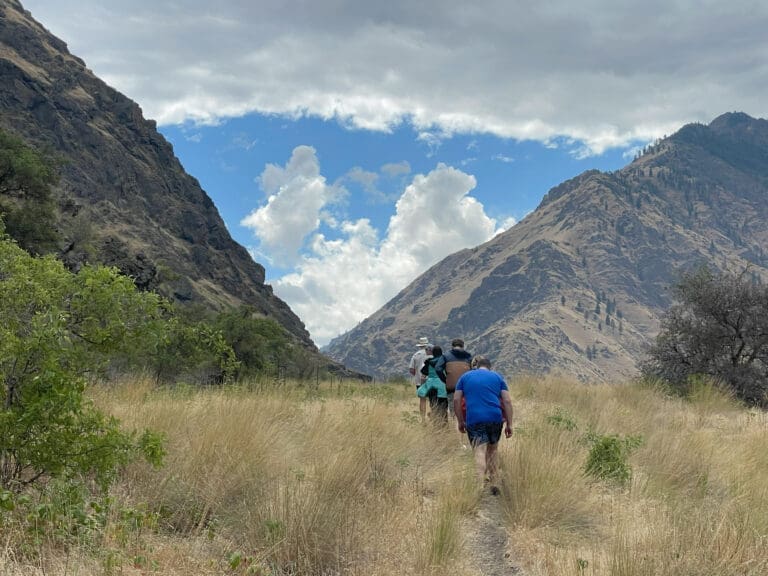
[
  {"x": 125, "y": 199},
  {"x": 529, "y": 297}
]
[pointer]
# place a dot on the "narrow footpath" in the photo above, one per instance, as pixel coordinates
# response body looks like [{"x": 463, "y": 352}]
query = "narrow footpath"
[{"x": 486, "y": 540}]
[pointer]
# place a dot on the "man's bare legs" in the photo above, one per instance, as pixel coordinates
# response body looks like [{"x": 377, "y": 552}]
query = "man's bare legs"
[
  {"x": 491, "y": 461},
  {"x": 486, "y": 464},
  {"x": 481, "y": 455},
  {"x": 423, "y": 408}
]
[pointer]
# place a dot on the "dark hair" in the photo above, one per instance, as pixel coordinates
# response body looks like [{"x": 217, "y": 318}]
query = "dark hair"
[
  {"x": 437, "y": 351},
  {"x": 457, "y": 343},
  {"x": 481, "y": 361}
]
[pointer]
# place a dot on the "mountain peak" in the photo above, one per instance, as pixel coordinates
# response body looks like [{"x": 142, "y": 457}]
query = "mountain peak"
[
  {"x": 580, "y": 284},
  {"x": 731, "y": 120}
]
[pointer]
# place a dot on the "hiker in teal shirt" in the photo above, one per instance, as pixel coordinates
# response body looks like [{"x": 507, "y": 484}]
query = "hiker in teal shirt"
[{"x": 434, "y": 386}]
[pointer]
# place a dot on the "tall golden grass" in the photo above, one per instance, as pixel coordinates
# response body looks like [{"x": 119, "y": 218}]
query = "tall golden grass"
[
  {"x": 697, "y": 503},
  {"x": 343, "y": 479}
]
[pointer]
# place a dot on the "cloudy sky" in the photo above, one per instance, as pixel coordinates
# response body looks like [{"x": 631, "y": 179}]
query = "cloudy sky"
[{"x": 350, "y": 145}]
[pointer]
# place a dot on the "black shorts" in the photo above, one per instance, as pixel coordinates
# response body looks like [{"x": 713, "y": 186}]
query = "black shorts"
[{"x": 484, "y": 433}]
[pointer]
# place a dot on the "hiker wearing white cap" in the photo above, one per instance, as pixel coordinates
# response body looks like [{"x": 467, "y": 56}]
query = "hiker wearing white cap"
[{"x": 417, "y": 361}]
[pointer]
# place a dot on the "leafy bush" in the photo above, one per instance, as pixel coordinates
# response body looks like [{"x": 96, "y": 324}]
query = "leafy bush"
[
  {"x": 608, "y": 456},
  {"x": 194, "y": 350},
  {"x": 56, "y": 330}
]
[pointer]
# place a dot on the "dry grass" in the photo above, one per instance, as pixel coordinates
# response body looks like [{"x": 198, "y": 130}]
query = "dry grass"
[
  {"x": 343, "y": 479},
  {"x": 697, "y": 503}
]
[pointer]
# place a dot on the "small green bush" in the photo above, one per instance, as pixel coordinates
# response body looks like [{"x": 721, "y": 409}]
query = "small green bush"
[
  {"x": 608, "y": 456},
  {"x": 562, "y": 419}
]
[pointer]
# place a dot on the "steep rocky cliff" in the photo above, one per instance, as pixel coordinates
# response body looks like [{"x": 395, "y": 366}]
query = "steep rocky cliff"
[
  {"x": 579, "y": 285},
  {"x": 124, "y": 198}
]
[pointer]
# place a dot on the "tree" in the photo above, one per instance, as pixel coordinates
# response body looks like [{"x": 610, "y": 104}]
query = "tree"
[
  {"x": 257, "y": 341},
  {"x": 26, "y": 204},
  {"x": 191, "y": 348},
  {"x": 56, "y": 330},
  {"x": 718, "y": 327}
]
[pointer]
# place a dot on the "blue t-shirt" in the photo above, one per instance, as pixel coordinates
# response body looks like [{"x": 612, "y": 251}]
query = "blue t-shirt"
[{"x": 482, "y": 394}]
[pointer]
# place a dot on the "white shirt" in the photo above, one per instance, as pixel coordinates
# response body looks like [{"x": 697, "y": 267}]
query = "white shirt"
[{"x": 417, "y": 361}]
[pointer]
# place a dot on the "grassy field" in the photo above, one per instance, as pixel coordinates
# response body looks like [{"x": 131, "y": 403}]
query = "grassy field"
[{"x": 343, "y": 479}]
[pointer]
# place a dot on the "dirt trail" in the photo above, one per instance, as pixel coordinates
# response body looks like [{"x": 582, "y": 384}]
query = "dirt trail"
[{"x": 486, "y": 540}]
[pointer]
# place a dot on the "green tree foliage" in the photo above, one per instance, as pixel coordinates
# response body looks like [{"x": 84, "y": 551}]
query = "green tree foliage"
[
  {"x": 258, "y": 342},
  {"x": 190, "y": 349},
  {"x": 26, "y": 204},
  {"x": 717, "y": 328},
  {"x": 56, "y": 330}
]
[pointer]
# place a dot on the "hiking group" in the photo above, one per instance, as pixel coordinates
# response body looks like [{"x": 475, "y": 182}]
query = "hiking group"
[{"x": 454, "y": 382}]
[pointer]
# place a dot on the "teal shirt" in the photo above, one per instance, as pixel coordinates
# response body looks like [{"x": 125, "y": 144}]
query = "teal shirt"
[{"x": 433, "y": 380}]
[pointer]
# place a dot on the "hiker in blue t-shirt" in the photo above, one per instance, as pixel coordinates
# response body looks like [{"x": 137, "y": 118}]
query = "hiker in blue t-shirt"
[{"x": 488, "y": 407}]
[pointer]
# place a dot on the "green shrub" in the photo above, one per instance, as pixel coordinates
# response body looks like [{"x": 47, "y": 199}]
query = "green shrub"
[
  {"x": 189, "y": 349},
  {"x": 562, "y": 419},
  {"x": 57, "y": 329},
  {"x": 608, "y": 456},
  {"x": 257, "y": 341}
]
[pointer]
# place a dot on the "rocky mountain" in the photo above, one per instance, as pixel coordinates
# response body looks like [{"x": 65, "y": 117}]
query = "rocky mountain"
[
  {"x": 579, "y": 285},
  {"x": 124, "y": 198}
]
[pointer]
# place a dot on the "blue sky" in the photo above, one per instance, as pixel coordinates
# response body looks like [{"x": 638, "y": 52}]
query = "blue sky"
[
  {"x": 362, "y": 174},
  {"x": 350, "y": 145}
]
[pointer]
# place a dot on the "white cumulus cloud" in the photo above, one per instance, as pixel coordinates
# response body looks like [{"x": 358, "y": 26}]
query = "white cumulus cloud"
[
  {"x": 339, "y": 282},
  {"x": 298, "y": 193}
]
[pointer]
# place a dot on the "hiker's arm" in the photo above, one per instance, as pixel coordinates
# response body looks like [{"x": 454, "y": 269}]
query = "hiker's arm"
[
  {"x": 506, "y": 402},
  {"x": 457, "y": 396}
]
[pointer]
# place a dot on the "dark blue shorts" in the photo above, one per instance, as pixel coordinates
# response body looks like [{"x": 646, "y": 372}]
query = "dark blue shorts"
[{"x": 484, "y": 433}]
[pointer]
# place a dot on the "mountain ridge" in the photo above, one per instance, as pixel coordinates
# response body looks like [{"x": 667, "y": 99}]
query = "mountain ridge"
[
  {"x": 534, "y": 298},
  {"x": 124, "y": 198}
]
